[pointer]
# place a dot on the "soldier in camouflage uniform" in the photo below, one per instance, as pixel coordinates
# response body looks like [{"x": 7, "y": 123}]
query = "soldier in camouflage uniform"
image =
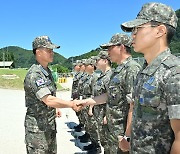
[
  {"x": 79, "y": 72},
  {"x": 81, "y": 78},
  {"x": 40, "y": 92},
  {"x": 156, "y": 115},
  {"x": 89, "y": 119},
  {"x": 119, "y": 92},
  {"x": 75, "y": 79},
  {"x": 100, "y": 87},
  {"x": 120, "y": 88}
]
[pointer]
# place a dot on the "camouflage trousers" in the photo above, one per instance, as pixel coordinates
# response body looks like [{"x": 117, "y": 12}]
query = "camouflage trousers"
[
  {"x": 81, "y": 116},
  {"x": 41, "y": 142},
  {"x": 93, "y": 129},
  {"x": 102, "y": 129}
]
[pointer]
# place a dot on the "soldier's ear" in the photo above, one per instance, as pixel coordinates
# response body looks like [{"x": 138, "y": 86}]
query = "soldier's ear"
[
  {"x": 122, "y": 47},
  {"x": 38, "y": 51},
  {"x": 161, "y": 30}
]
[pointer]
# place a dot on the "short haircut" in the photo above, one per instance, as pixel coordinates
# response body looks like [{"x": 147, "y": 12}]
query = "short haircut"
[
  {"x": 170, "y": 30},
  {"x": 34, "y": 51},
  {"x": 128, "y": 49}
]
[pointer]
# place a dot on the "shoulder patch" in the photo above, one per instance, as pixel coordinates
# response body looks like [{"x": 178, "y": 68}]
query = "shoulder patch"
[{"x": 40, "y": 82}]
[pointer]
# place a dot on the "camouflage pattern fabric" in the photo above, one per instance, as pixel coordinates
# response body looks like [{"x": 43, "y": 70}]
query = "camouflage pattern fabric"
[
  {"x": 74, "y": 93},
  {"x": 120, "y": 87},
  {"x": 88, "y": 87},
  {"x": 41, "y": 142},
  {"x": 90, "y": 123},
  {"x": 82, "y": 78},
  {"x": 156, "y": 93},
  {"x": 100, "y": 87},
  {"x": 43, "y": 42},
  {"x": 152, "y": 12},
  {"x": 39, "y": 117},
  {"x": 118, "y": 39},
  {"x": 103, "y": 55}
]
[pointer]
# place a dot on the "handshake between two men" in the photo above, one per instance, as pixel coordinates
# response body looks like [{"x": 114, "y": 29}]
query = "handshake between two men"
[{"x": 79, "y": 104}]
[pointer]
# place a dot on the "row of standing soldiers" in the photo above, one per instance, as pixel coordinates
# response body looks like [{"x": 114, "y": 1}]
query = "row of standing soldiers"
[
  {"x": 88, "y": 82},
  {"x": 102, "y": 123}
]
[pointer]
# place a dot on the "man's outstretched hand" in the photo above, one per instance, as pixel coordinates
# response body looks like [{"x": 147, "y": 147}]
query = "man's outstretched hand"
[
  {"x": 77, "y": 106},
  {"x": 85, "y": 102}
]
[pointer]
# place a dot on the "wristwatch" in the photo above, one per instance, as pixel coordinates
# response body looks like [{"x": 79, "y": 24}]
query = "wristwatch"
[{"x": 127, "y": 138}]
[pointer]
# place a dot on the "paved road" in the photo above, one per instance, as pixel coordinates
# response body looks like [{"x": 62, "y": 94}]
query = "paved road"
[{"x": 12, "y": 112}]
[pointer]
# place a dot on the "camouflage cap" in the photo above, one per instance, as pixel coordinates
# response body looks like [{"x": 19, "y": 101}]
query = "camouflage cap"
[
  {"x": 43, "y": 41},
  {"x": 94, "y": 58},
  {"x": 103, "y": 55},
  {"x": 90, "y": 61},
  {"x": 74, "y": 64},
  {"x": 83, "y": 61},
  {"x": 152, "y": 12},
  {"x": 78, "y": 62},
  {"x": 118, "y": 39}
]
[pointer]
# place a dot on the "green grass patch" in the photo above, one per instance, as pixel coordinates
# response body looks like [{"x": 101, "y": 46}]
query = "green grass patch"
[{"x": 14, "y": 79}]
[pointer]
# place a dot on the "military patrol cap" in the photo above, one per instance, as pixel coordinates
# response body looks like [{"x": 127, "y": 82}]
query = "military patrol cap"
[
  {"x": 90, "y": 61},
  {"x": 45, "y": 42},
  {"x": 94, "y": 57},
  {"x": 152, "y": 12},
  {"x": 83, "y": 61},
  {"x": 118, "y": 39},
  {"x": 103, "y": 55},
  {"x": 74, "y": 64},
  {"x": 78, "y": 62}
]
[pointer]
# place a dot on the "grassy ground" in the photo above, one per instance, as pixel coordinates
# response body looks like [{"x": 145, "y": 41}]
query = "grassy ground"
[{"x": 16, "y": 83}]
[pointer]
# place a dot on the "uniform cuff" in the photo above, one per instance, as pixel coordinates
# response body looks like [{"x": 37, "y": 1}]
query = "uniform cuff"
[
  {"x": 174, "y": 111},
  {"x": 129, "y": 98},
  {"x": 43, "y": 92}
]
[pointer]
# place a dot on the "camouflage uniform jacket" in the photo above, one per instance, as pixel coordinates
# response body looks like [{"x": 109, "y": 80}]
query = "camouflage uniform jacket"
[
  {"x": 38, "y": 83},
  {"x": 88, "y": 86},
  {"x": 82, "y": 79},
  {"x": 120, "y": 95},
  {"x": 157, "y": 99},
  {"x": 100, "y": 87},
  {"x": 74, "y": 94}
]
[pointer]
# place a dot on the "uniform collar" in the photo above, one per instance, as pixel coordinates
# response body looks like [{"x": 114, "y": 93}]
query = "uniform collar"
[
  {"x": 154, "y": 65},
  {"x": 45, "y": 72}
]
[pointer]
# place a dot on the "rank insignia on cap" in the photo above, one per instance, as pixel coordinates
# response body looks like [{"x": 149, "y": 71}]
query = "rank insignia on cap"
[{"x": 40, "y": 82}]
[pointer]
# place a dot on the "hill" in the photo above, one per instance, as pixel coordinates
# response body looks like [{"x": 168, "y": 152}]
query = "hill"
[
  {"x": 25, "y": 58},
  {"x": 70, "y": 60},
  {"x": 174, "y": 46}
]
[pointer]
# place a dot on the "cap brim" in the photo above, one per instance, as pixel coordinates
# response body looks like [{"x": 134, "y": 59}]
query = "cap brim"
[
  {"x": 53, "y": 46},
  {"x": 128, "y": 26},
  {"x": 107, "y": 45}
]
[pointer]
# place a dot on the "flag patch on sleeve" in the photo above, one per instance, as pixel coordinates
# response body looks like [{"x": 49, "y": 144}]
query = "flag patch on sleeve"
[{"x": 40, "y": 82}]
